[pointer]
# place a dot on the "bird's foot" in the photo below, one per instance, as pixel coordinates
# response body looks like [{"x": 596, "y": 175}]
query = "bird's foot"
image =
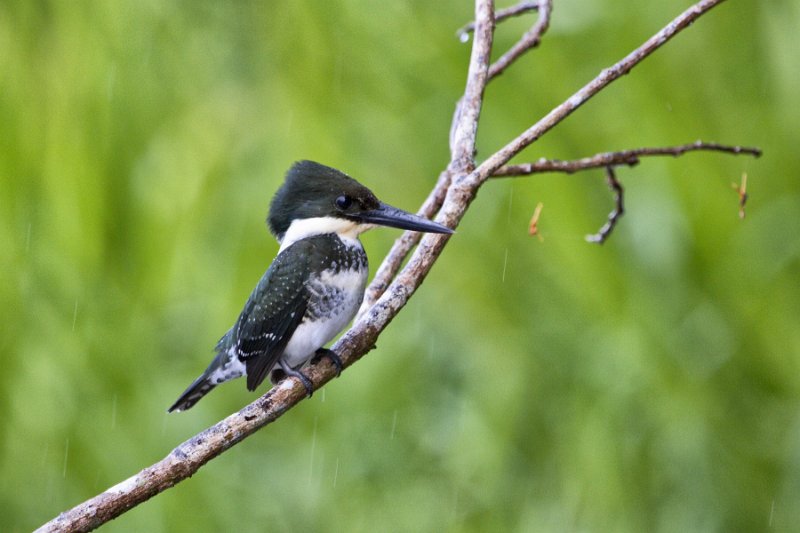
[
  {"x": 333, "y": 356},
  {"x": 289, "y": 371}
]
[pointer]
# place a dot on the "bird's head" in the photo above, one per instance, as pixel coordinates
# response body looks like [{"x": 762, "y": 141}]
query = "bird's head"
[{"x": 316, "y": 199}]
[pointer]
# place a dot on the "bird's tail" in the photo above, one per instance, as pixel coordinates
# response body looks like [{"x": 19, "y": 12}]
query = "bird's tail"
[
  {"x": 199, "y": 388},
  {"x": 210, "y": 378}
]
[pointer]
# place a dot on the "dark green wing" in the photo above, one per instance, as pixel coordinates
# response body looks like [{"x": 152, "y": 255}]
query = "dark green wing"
[{"x": 273, "y": 312}]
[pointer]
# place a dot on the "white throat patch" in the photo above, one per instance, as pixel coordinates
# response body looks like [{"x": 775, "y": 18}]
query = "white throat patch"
[{"x": 347, "y": 230}]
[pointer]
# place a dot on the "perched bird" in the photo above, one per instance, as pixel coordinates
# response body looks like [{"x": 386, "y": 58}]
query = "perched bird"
[{"x": 315, "y": 285}]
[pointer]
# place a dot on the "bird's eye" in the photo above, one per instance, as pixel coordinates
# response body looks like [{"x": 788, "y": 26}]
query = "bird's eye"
[{"x": 343, "y": 202}]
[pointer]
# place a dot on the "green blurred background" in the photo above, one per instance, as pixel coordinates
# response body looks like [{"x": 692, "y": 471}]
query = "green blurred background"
[{"x": 650, "y": 384}]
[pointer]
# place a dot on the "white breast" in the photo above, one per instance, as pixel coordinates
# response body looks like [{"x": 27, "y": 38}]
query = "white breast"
[{"x": 335, "y": 298}]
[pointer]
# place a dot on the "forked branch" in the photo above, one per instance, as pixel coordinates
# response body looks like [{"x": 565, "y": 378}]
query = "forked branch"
[
  {"x": 529, "y": 40},
  {"x": 501, "y": 15}
]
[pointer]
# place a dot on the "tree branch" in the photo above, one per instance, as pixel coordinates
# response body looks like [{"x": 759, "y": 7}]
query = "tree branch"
[
  {"x": 623, "y": 157},
  {"x": 609, "y": 160},
  {"x": 455, "y": 190},
  {"x": 465, "y": 123}
]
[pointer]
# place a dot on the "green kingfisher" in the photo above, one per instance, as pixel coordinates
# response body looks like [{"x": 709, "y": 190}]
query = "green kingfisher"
[{"x": 312, "y": 289}]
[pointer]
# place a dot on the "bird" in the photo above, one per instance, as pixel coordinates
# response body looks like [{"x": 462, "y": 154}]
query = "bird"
[{"x": 314, "y": 286}]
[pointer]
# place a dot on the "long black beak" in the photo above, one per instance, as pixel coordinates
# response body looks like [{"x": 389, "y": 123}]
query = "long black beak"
[{"x": 386, "y": 215}]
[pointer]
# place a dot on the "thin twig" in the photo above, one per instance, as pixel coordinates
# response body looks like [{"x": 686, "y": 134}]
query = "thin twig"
[
  {"x": 529, "y": 40},
  {"x": 616, "y": 213},
  {"x": 501, "y": 15},
  {"x": 623, "y": 157}
]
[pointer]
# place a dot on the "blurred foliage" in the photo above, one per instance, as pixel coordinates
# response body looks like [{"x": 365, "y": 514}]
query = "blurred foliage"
[{"x": 650, "y": 384}]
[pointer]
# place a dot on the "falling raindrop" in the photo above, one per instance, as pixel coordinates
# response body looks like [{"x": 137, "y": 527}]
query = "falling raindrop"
[
  {"x": 432, "y": 347},
  {"x": 112, "y": 78},
  {"x": 510, "y": 199},
  {"x": 66, "y": 455},
  {"x": 313, "y": 446},
  {"x": 46, "y": 452},
  {"x": 336, "y": 473},
  {"x": 74, "y": 315},
  {"x": 28, "y": 238},
  {"x": 394, "y": 425},
  {"x": 454, "y": 511},
  {"x": 505, "y": 264},
  {"x": 114, "y": 412}
]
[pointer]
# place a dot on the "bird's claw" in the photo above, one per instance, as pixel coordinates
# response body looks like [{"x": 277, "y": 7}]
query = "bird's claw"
[
  {"x": 333, "y": 356},
  {"x": 309, "y": 386}
]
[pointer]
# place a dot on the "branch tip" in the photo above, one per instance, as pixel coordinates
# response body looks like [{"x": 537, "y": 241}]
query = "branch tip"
[{"x": 619, "y": 209}]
